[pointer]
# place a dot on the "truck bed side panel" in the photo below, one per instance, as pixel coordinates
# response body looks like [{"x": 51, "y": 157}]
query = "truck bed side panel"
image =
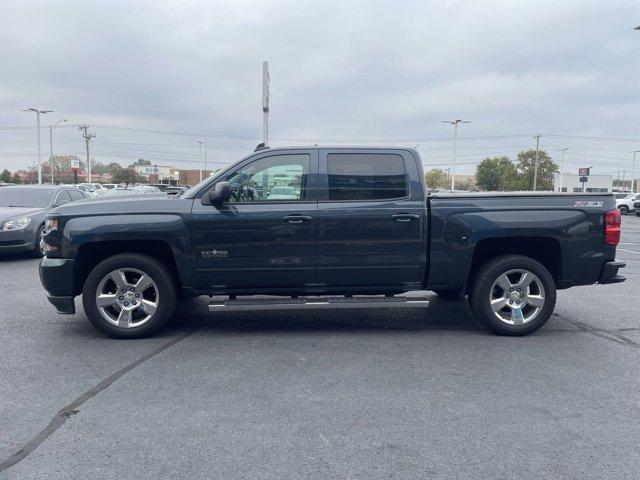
[{"x": 459, "y": 224}]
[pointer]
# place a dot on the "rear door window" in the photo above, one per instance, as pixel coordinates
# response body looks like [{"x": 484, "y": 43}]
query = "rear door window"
[
  {"x": 366, "y": 176},
  {"x": 62, "y": 198},
  {"x": 75, "y": 195}
]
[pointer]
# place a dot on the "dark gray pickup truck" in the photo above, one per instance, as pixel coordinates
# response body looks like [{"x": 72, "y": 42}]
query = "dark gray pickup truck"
[{"x": 326, "y": 228}]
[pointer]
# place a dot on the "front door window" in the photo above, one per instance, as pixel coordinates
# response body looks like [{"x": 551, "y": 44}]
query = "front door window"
[{"x": 279, "y": 178}]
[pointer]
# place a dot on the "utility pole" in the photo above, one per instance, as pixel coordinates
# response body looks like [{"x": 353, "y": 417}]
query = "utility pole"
[
  {"x": 455, "y": 147},
  {"x": 87, "y": 139},
  {"x": 562, "y": 166},
  {"x": 535, "y": 168},
  {"x": 38, "y": 112},
  {"x": 205, "y": 154},
  {"x": 265, "y": 103},
  {"x": 51, "y": 145},
  {"x": 200, "y": 143},
  {"x": 633, "y": 172}
]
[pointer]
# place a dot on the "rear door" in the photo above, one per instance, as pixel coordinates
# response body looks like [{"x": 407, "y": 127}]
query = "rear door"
[
  {"x": 264, "y": 237},
  {"x": 371, "y": 219}
]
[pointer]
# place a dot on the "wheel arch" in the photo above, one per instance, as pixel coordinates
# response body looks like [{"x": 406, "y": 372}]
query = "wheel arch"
[
  {"x": 91, "y": 253},
  {"x": 545, "y": 250}
]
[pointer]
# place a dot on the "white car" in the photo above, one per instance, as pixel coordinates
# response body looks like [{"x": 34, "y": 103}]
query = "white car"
[
  {"x": 625, "y": 202},
  {"x": 282, "y": 193}
]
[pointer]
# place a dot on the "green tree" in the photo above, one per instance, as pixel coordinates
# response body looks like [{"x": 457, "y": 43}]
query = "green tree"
[
  {"x": 99, "y": 168},
  {"x": 525, "y": 166},
  {"x": 496, "y": 174},
  {"x": 436, "y": 178},
  {"x": 5, "y": 176},
  {"x": 125, "y": 175},
  {"x": 466, "y": 185},
  {"x": 141, "y": 162},
  {"x": 16, "y": 179},
  {"x": 113, "y": 167}
]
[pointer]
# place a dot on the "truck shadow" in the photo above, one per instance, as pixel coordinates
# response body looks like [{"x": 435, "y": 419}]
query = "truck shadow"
[{"x": 443, "y": 315}]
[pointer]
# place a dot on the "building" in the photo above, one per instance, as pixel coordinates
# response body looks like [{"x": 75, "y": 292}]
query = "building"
[
  {"x": 158, "y": 174},
  {"x": 191, "y": 177},
  {"x": 594, "y": 184}
]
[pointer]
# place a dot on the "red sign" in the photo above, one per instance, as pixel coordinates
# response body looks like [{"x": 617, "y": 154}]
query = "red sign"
[{"x": 583, "y": 172}]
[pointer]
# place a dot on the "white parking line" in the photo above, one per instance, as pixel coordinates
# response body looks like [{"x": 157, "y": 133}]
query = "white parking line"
[{"x": 629, "y": 251}]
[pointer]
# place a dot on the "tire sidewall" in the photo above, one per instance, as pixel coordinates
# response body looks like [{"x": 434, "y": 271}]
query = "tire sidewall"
[
  {"x": 484, "y": 282},
  {"x": 37, "y": 251},
  {"x": 623, "y": 209},
  {"x": 150, "y": 266}
]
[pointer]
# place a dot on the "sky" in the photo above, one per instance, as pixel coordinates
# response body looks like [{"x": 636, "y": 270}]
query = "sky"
[{"x": 342, "y": 72}]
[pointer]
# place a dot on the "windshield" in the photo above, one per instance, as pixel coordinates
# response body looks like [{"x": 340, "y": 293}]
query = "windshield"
[{"x": 25, "y": 197}]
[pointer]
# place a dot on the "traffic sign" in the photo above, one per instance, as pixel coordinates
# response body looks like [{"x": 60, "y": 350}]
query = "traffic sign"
[{"x": 584, "y": 172}]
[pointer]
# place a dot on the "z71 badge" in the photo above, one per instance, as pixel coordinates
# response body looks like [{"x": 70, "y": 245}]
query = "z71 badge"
[
  {"x": 585, "y": 203},
  {"x": 214, "y": 254}
]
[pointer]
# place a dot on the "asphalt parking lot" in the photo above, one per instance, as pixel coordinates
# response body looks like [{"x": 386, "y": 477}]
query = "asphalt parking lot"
[{"x": 345, "y": 394}]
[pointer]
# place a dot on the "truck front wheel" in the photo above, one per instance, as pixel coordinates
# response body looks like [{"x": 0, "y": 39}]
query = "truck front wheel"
[
  {"x": 513, "y": 295},
  {"x": 129, "y": 296}
]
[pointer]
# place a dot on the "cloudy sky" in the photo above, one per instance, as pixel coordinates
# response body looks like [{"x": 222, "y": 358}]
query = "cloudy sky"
[{"x": 340, "y": 71}]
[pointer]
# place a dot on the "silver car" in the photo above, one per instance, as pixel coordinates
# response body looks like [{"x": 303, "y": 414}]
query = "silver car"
[{"x": 22, "y": 213}]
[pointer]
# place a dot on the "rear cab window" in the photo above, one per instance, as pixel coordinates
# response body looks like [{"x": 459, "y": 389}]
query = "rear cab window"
[{"x": 366, "y": 176}]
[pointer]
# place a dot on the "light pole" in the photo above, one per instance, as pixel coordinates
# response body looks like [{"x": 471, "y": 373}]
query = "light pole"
[
  {"x": 51, "y": 145},
  {"x": 562, "y": 166},
  {"x": 633, "y": 168},
  {"x": 455, "y": 146},
  {"x": 38, "y": 112},
  {"x": 201, "y": 143}
]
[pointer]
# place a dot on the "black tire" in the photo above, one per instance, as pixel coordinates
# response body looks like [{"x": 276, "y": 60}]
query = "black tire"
[
  {"x": 623, "y": 209},
  {"x": 637, "y": 213},
  {"x": 449, "y": 294},
  {"x": 482, "y": 290},
  {"x": 164, "y": 286},
  {"x": 37, "y": 250}
]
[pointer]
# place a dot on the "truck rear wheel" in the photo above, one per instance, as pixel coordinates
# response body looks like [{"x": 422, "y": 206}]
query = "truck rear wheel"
[
  {"x": 129, "y": 296},
  {"x": 513, "y": 295}
]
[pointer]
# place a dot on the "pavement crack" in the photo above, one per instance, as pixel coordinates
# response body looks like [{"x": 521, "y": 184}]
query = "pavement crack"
[
  {"x": 613, "y": 335},
  {"x": 66, "y": 412}
]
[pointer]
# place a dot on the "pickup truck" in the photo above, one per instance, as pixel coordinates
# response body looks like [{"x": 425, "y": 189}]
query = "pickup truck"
[{"x": 356, "y": 228}]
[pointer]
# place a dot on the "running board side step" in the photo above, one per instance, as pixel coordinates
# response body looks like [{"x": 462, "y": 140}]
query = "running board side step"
[{"x": 405, "y": 300}]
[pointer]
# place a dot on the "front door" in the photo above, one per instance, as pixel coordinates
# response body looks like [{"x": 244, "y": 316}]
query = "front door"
[
  {"x": 371, "y": 220},
  {"x": 264, "y": 237}
]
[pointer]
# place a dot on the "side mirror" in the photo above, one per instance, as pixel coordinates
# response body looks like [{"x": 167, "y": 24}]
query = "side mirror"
[{"x": 219, "y": 194}]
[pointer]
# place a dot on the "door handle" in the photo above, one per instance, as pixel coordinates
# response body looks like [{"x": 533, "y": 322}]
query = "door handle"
[
  {"x": 405, "y": 217},
  {"x": 296, "y": 218}
]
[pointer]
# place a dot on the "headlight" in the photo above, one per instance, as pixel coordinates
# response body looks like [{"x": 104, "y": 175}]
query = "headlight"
[{"x": 16, "y": 223}]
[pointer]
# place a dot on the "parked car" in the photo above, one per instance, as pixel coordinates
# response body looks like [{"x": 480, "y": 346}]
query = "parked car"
[
  {"x": 282, "y": 193},
  {"x": 136, "y": 190},
  {"x": 625, "y": 203},
  {"x": 22, "y": 214},
  {"x": 363, "y": 227},
  {"x": 87, "y": 189},
  {"x": 636, "y": 207}
]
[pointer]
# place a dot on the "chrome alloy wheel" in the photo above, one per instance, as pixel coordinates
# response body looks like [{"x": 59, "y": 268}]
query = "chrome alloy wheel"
[
  {"x": 127, "y": 297},
  {"x": 517, "y": 297}
]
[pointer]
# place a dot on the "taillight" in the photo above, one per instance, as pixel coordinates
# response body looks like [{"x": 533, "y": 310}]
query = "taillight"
[{"x": 612, "y": 221}]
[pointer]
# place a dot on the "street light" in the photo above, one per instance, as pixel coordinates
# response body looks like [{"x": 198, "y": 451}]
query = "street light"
[
  {"x": 562, "y": 166},
  {"x": 633, "y": 168},
  {"x": 455, "y": 146},
  {"x": 51, "y": 144},
  {"x": 201, "y": 143},
  {"x": 38, "y": 112}
]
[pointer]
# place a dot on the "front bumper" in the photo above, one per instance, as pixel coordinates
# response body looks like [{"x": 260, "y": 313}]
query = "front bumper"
[
  {"x": 12, "y": 241},
  {"x": 609, "y": 273},
  {"x": 57, "y": 277}
]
